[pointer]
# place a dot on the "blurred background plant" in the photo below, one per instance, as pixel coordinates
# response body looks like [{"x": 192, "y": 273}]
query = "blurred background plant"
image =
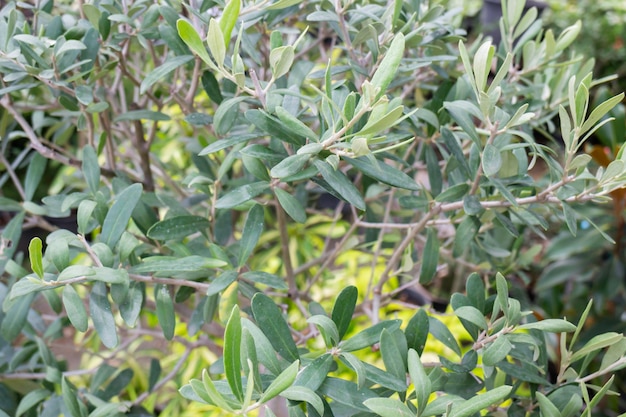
[{"x": 216, "y": 164}]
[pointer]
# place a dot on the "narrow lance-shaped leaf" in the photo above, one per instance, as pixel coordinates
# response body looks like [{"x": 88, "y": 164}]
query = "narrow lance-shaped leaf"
[
  {"x": 389, "y": 65},
  {"x": 430, "y": 257},
  {"x": 341, "y": 184},
  {"x": 102, "y": 316},
  {"x": 291, "y": 205},
  {"x": 119, "y": 214},
  {"x": 314, "y": 374},
  {"x": 251, "y": 233},
  {"x": 388, "y": 407},
  {"x": 300, "y": 393},
  {"x": 393, "y": 349},
  {"x": 18, "y": 314},
  {"x": 229, "y": 18},
  {"x": 158, "y": 73},
  {"x": 416, "y": 331},
  {"x": 215, "y": 40},
  {"x": 421, "y": 382},
  {"x": 281, "y": 383},
  {"x": 91, "y": 168},
  {"x": 188, "y": 34},
  {"x": 480, "y": 402},
  {"x": 344, "y": 309},
  {"x": 34, "y": 173},
  {"x": 75, "y": 308},
  {"x": 369, "y": 336},
  {"x": 383, "y": 172},
  {"x": 270, "y": 320},
  {"x": 178, "y": 227},
  {"x": 232, "y": 353},
  {"x": 36, "y": 258},
  {"x": 165, "y": 310}
]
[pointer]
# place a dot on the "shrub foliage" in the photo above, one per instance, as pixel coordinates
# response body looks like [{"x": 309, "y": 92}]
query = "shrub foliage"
[{"x": 267, "y": 186}]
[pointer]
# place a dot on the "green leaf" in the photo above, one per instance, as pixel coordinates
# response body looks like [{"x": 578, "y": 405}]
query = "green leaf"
[
  {"x": 240, "y": 195},
  {"x": 502, "y": 291},
  {"x": 251, "y": 233},
  {"x": 441, "y": 332},
  {"x": 142, "y": 115},
  {"x": 344, "y": 309},
  {"x": 119, "y": 214},
  {"x": 482, "y": 64},
  {"x": 171, "y": 264},
  {"x": 27, "y": 285},
  {"x": 281, "y": 60},
  {"x": 421, "y": 382},
  {"x": 154, "y": 373},
  {"x": 36, "y": 258},
  {"x": 270, "y": 320},
  {"x": 430, "y": 257},
  {"x": 281, "y": 383},
  {"x": 547, "y": 407},
  {"x": 165, "y": 310},
  {"x": 417, "y": 330},
  {"x": 223, "y": 121},
  {"x": 465, "y": 233},
  {"x": 453, "y": 193},
  {"x": 188, "y": 34},
  {"x": 232, "y": 353},
  {"x": 347, "y": 394},
  {"x": 475, "y": 288},
  {"x": 613, "y": 354},
  {"x": 383, "y": 172},
  {"x": 393, "y": 349},
  {"x": 264, "y": 349},
  {"x": 291, "y": 205},
  {"x": 327, "y": 328},
  {"x": 213, "y": 394},
  {"x": 369, "y": 336},
  {"x": 497, "y": 351},
  {"x": 31, "y": 400},
  {"x": 110, "y": 275},
  {"x": 388, "y": 407},
  {"x": 75, "y": 308},
  {"x": 265, "y": 278},
  {"x": 492, "y": 160},
  {"x": 102, "y": 316},
  {"x": 341, "y": 184},
  {"x": 178, "y": 227},
  {"x": 222, "y": 282},
  {"x": 300, "y": 393},
  {"x": 34, "y": 173},
  {"x": 359, "y": 367},
  {"x": 282, "y": 4},
  {"x": 462, "y": 112},
  {"x": 294, "y": 124},
  {"x": 158, "y": 73},
  {"x": 480, "y": 402},
  {"x": 596, "y": 343},
  {"x": 550, "y": 325},
  {"x": 91, "y": 169},
  {"x": 314, "y": 374},
  {"x": 70, "y": 399},
  {"x": 18, "y": 313},
  {"x": 600, "y": 111},
  {"x": 229, "y": 18},
  {"x": 473, "y": 315},
  {"x": 216, "y": 42},
  {"x": 388, "y": 67},
  {"x": 290, "y": 165},
  {"x": 273, "y": 127}
]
